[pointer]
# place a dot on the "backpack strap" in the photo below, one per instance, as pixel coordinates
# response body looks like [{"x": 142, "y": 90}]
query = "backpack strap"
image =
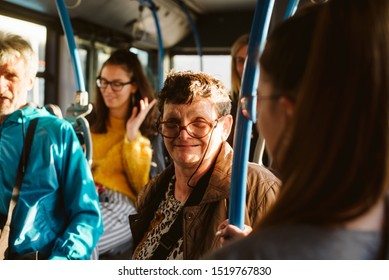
[{"x": 23, "y": 162}]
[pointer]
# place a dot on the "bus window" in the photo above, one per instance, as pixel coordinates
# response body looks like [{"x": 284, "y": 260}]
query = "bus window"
[
  {"x": 143, "y": 57},
  {"x": 217, "y": 65},
  {"x": 102, "y": 56},
  {"x": 83, "y": 54},
  {"x": 36, "y": 34}
]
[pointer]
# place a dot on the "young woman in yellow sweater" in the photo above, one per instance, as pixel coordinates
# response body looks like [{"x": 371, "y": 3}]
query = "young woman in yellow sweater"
[{"x": 122, "y": 130}]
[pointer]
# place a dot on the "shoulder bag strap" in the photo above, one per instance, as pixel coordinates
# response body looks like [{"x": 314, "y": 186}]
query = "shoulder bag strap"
[
  {"x": 23, "y": 162},
  {"x": 141, "y": 221},
  {"x": 170, "y": 238}
]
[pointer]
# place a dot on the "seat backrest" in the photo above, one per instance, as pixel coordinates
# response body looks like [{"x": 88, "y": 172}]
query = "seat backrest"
[
  {"x": 54, "y": 109},
  {"x": 81, "y": 127}
]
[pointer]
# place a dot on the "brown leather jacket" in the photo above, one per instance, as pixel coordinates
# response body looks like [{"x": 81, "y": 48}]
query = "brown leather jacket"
[{"x": 200, "y": 222}]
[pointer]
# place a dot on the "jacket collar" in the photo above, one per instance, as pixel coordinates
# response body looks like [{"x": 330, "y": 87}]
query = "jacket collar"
[
  {"x": 219, "y": 184},
  {"x": 27, "y": 112}
]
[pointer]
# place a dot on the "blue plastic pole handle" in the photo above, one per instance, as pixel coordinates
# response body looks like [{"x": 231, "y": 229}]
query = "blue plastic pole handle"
[
  {"x": 292, "y": 7},
  {"x": 242, "y": 135},
  {"x": 67, "y": 27},
  {"x": 161, "y": 50},
  {"x": 196, "y": 36},
  {"x": 243, "y": 128}
]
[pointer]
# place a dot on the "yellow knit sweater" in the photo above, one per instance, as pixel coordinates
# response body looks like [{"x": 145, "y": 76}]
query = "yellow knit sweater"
[{"x": 119, "y": 164}]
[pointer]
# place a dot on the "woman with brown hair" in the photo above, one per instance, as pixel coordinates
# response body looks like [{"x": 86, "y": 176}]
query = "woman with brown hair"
[
  {"x": 122, "y": 132},
  {"x": 331, "y": 141},
  {"x": 180, "y": 209}
]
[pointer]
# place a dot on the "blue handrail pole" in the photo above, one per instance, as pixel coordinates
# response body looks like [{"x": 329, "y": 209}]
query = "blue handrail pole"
[
  {"x": 292, "y": 8},
  {"x": 196, "y": 36},
  {"x": 161, "y": 51},
  {"x": 248, "y": 94},
  {"x": 67, "y": 27},
  {"x": 75, "y": 114}
]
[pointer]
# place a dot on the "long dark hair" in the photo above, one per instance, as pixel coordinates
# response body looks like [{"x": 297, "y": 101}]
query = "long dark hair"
[
  {"x": 285, "y": 66},
  {"x": 285, "y": 56},
  {"x": 335, "y": 165},
  {"x": 130, "y": 61}
]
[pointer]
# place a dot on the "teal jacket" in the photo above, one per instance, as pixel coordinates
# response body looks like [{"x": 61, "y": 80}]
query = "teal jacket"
[{"x": 58, "y": 210}]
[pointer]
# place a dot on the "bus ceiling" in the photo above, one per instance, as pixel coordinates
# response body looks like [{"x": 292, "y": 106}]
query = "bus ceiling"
[{"x": 131, "y": 22}]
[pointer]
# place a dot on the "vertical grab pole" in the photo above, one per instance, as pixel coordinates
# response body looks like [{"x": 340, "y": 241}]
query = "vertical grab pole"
[
  {"x": 76, "y": 113},
  {"x": 184, "y": 7},
  {"x": 291, "y": 9},
  {"x": 260, "y": 145},
  {"x": 67, "y": 27},
  {"x": 247, "y": 104},
  {"x": 161, "y": 51}
]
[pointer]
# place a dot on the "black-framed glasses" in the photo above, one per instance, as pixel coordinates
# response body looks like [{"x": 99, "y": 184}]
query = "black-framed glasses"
[
  {"x": 196, "y": 129},
  {"x": 115, "y": 85}
]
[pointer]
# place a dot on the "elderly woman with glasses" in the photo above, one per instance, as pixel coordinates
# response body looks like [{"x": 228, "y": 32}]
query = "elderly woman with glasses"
[
  {"x": 123, "y": 131},
  {"x": 180, "y": 209}
]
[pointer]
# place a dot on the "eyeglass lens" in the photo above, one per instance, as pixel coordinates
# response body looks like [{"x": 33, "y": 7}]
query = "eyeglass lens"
[{"x": 197, "y": 129}]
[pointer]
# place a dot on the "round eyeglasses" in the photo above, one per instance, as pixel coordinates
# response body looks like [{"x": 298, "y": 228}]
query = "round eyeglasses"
[
  {"x": 196, "y": 129},
  {"x": 115, "y": 85}
]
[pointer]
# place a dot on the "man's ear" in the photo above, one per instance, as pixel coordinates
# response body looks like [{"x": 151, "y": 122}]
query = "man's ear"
[
  {"x": 30, "y": 83},
  {"x": 287, "y": 105},
  {"x": 227, "y": 126}
]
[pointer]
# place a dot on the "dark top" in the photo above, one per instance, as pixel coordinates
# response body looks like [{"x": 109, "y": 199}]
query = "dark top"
[
  {"x": 254, "y": 132},
  {"x": 309, "y": 242}
]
